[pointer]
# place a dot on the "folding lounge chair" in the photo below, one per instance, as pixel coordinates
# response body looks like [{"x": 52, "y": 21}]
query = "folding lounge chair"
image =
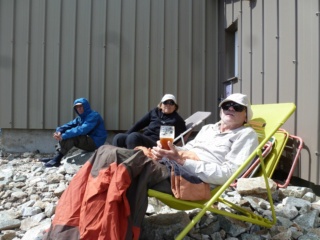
[
  {"x": 271, "y": 117},
  {"x": 191, "y": 122},
  {"x": 273, "y": 161},
  {"x": 255, "y": 165},
  {"x": 298, "y": 145},
  {"x": 272, "y": 152}
]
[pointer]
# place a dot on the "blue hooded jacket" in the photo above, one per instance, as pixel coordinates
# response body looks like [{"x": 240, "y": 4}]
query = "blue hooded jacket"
[{"x": 88, "y": 123}]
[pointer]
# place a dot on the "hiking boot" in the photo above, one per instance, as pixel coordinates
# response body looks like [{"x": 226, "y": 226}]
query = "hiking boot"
[
  {"x": 54, "y": 162},
  {"x": 45, "y": 160}
]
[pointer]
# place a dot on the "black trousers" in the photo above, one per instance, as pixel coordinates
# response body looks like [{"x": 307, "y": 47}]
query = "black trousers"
[
  {"x": 132, "y": 140},
  {"x": 83, "y": 142}
]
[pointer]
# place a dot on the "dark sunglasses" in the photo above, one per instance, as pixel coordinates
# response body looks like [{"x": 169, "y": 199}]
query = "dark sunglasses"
[
  {"x": 169, "y": 102},
  {"x": 236, "y": 106}
]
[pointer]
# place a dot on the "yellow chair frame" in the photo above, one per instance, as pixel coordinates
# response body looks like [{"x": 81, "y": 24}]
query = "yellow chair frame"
[{"x": 271, "y": 117}]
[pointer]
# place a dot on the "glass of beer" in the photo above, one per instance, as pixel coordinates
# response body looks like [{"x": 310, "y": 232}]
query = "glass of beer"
[{"x": 166, "y": 134}]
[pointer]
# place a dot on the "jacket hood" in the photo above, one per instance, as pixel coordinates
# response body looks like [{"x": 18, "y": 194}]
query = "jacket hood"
[{"x": 85, "y": 104}]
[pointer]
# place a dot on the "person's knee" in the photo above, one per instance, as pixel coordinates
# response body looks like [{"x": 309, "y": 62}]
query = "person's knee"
[
  {"x": 115, "y": 139},
  {"x": 134, "y": 139},
  {"x": 119, "y": 140}
]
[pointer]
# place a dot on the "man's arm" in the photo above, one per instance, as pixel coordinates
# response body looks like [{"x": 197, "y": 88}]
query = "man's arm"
[
  {"x": 225, "y": 160},
  {"x": 89, "y": 123},
  {"x": 73, "y": 123},
  {"x": 179, "y": 156},
  {"x": 211, "y": 167}
]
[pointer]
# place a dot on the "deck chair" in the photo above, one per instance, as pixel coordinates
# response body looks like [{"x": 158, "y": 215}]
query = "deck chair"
[
  {"x": 255, "y": 165},
  {"x": 191, "y": 122},
  {"x": 272, "y": 152},
  {"x": 271, "y": 117},
  {"x": 285, "y": 140},
  {"x": 272, "y": 160}
]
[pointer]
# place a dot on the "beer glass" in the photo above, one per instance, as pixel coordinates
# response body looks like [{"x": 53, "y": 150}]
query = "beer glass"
[{"x": 166, "y": 134}]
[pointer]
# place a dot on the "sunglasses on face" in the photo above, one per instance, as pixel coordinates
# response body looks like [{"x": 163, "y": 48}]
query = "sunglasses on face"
[
  {"x": 236, "y": 106},
  {"x": 169, "y": 102}
]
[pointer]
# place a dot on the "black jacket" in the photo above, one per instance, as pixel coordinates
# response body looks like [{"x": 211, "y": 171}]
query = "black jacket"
[{"x": 151, "y": 122}]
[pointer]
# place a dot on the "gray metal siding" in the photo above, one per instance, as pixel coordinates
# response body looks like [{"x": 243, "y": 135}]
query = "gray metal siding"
[
  {"x": 6, "y": 72},
  {"x": 279, "y": 62},
  {"x": 122, "y": 55}
]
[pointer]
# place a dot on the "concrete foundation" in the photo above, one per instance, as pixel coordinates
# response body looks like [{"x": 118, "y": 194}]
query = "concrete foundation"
[{"x": 20, "y": 141}]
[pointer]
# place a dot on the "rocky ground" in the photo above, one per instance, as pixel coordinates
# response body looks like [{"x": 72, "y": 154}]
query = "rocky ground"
[{"x": 29, "y": 194}]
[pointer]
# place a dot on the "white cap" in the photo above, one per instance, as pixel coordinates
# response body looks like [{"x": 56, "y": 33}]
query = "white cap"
[
  {"x": 169, "y": 97},
  {"x": 242, "y": 100}
]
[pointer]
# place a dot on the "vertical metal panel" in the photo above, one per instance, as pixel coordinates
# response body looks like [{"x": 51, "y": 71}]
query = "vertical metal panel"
[
  {"x": 236, "y": 10},
  {"x": 170, "y": 47},
  {"x": 157, "y": 36},
  {"x": 127, "y": 62},
  {"x": 287, "y": 51},
  {"x": 67, "y": 59},
  {"x": 98, "y": 55},
  {"x": 211, "y": 85},
  {"x": 232, "y": 12},
  {"x": 112, "y": 96},
  {"x": 6, "y": 62},
  {"x": 36, "y": 64},
  {"x": 52, "y": 58},
  {"x": 20, "y": 56},
  {"x": 229, "y": 13},
  {"x": 185, "y": 57},
  {"x": 198, "y": 54},
  {"x": 271, "y": 59},
  {"x": 257, "y": 51},
  {"x": 307, "y": 96},
  {"x": 83, "y": 49},
  {"x": 142, "y": 58},
  {"x": 245, "y": 39},
  {"x": 222, "y": 46}
]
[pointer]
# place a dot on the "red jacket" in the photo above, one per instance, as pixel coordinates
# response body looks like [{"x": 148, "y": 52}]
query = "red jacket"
[{"x": 107, "y": 198}]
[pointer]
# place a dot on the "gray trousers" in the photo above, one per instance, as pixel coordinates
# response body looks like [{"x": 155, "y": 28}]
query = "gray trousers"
[{"x": 83, "y": 142}]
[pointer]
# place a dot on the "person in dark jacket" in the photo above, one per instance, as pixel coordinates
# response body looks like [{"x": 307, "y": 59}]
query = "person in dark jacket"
[
  {"x": 164, "y": 114},
  {"x": 86, "y": 131}
]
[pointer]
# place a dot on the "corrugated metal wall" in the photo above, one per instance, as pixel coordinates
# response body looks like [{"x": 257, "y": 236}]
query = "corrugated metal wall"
[
  {"x": 122, "y": 55},
  {"x": 279, "y": 46}
]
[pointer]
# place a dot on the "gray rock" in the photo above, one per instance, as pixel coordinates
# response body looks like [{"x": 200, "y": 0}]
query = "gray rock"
[
  {"x": 309, "y": 196},
  {"x": 8, "y": 223},
  {"x": 36, "y": 233},
  {"x": 285, "y": 222},
  {"x": 297, "y": 202},
  {"x": 247, "y": 236},
  {"x": 29, "y": 194},
  {"x": 308, "y": 220},
  {"x": 295, "y": 191},
  {"x": 232, "y": 226},
  {"x": 8, "y": 235},
  {"x": 163, "y": 226},
  {"x": 30, "y": 211},
  {"x": 287, "y": 211},
  {"x": 255, "y": 186},
  {"x": 50, "y": 209}
]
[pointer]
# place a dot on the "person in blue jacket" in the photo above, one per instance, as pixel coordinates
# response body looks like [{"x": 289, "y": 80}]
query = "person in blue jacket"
[
  {"x": 86, "y": 131},
  {"x": 146, "y": 131}
]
